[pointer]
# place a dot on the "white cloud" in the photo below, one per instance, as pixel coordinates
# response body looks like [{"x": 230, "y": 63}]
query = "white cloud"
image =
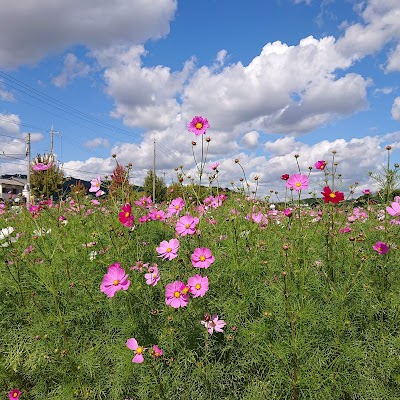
[
  {"x": 250, "y": 139},
  {"x": 384, "y": 90},
  {"x": 97, "y": 142},
  {"x": 394, "y": 60},
  {"x": 308, "y": 2},
  {"x": 32, "y": 30},
  {"x": 10, "y": 123},
  {"x": 382, "y": 25},
  {"x": 396, "y": 109},
  {"x": 72, "y": 69},
  {"x": 143, "y": 96}
]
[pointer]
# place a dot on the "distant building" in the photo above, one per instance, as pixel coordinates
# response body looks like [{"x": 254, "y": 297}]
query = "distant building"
[{"x": 12, "y": 185}]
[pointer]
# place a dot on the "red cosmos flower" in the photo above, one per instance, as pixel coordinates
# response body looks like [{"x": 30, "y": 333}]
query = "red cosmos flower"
[
  {"x": 332, "y": 197},
  {"x": 285, "y": 177},
  {"x": 125, "y": 216}
]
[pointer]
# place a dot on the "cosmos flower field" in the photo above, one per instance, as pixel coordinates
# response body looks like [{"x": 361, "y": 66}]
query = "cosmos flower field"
[{"x": 220, "y": 297}]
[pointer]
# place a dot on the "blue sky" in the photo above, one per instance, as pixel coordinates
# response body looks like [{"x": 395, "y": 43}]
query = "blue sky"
[{"x": 274, "y": 78}]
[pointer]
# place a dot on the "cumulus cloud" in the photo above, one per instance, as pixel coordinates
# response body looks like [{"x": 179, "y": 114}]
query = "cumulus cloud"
[
  {"x": 393, "y": 63},
  {"x": 396, "y": 109},
  {"x": 10, "y": 123},
  {"x": 144, "y": 96},
  {"x": 97, "y": 142},
  {"x": 250, "y": 139},
  {"x": 72, "y": 69},
  {"x": 32, "y": 30}
]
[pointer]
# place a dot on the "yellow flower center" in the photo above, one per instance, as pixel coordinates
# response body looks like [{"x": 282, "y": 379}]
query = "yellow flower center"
[
  {"x": 177, "y": 294},
  {"x": 379, "y": 249},
  {"x": 322, "y": 166},
  {"x": 202, "y": 258},
  {"x": 116, "y": 282},
  {"x": 185, "y": 290},
  {"x": 158, "y": 216},
  {"x": 127, "y": 214},
  {"x": 139, "y": 350},
  {"x": 198, "y": 286},
  {"x": 187, "y": 226},
  {"x": 176, "y": 207},
  {"x": 332, "y": 195},
  {"x": 156, "y": 354},
  {"x": 199, "y": 125},
  {"x": 168, "y": 250},
  {"x": 15, "y": 394},
  {"x": 298, "y": 184}
]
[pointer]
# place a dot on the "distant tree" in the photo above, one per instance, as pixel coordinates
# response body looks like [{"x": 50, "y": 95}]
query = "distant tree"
[
  {"x": 46, "y": 177},
  {"x": 160, "y": 187}
]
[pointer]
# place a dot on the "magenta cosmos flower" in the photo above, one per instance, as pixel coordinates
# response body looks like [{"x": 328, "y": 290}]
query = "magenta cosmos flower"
[
  {"x": 176, "y": 294},
  {"x": 198, "y": 125},
  {"x": 115, "y": 279},
  {"x": 381, "y": 247},
  {"x": 198, "y": 285},
  {"x": 202, "y": 257},
  {"x": 321, "y": 164},
  {"x": 14, "y": 394},
  {"x": 42, "y": 167},
  {"x": 156, "y": 351},
  {"x": 125, "y": 216},
  {"x": 168, "y": 249},
  {"x": 213, "y": 323},
  {"x": 186, "y": 225},
  {"x": 132, "y": 344},
  {"x": 394, "y": 211},
  {"x": 153, "y": 276},
  {"x": 297, "y": 182}
]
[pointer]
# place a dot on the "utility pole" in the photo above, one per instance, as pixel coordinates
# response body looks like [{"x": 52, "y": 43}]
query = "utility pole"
[
  {"x": 27, "y": 188},
  {"x": 154, "y": 171}
]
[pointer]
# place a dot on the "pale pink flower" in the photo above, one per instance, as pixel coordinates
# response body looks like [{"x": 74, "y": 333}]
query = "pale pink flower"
[
  {"x": 153, "y": 276},
  {"x": 132, "y": 344},
  {"x": 176, "y": 294},
  {"x": 394, "y": 210},
  {"x": 95, "y": 185},
  {"x": 198, "y": 285},
  {"x": 168, "y": 250},
  {"x": 157, "y": 215},
  {"x": 144, "y": 201},
  {"x": 213, "y": 323},
  {"x": 115, "y": 279},
  {"x": 202, "y": 257},
  {"x": 186, "y": 225}
]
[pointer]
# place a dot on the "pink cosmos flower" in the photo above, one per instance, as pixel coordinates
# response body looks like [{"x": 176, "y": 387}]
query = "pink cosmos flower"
[
  {"x": 125, "y": 216},
  {"x": 321, "y": 164},
  {"x": 213, "y": 323},
  {"x": 198, "y": 125},
  {"x": 297, "y": 182},
  {"x": 157, "y": 215},
  {"x": 176, "y": 294},
  {"x": 366, "y": 191},
  {"x": 394, "y": 211},
  {"x": 202, "y": 257},
  {"x": 42, "y": 167},
  {"x": 381, "y": 247},
  {"x": 144, "y": 201},
  {"x": 95, "y": 185},
  {"x": 14, "y": 394},
  {"x": 168, "y": 250},
  {"x": 156, "y": 351},
  {"x": 176, "y": 206},
  {"x": 100, "y": 193},
  {"x": 198, "y": 285},
  {"x": 186, "y": 225},
  {"x": 153, "y": 276},
  {"x": 288, "y": 212},
  {"x": 214, "y": 167},
  {"x": 132, "y": 344},
  {"x": 115, "y": 279}
]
